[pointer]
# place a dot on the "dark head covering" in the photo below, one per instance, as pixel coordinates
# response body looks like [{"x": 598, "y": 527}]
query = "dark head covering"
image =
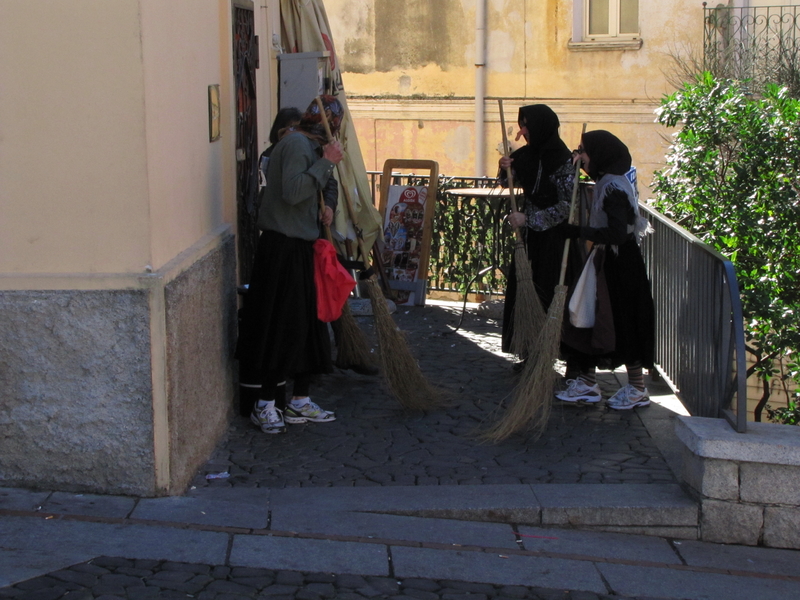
[
  {"x": 311, "y": 122},
  {"x": 286, "y": 117},
  {"x": 542, "y": 124},
  {"x": 544, "y": 146},
  {"x": 607, "y": 154}
]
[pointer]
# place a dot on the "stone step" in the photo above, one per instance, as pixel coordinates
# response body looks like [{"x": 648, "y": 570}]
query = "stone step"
[
  {"x": 662, "y": 510},
  {"x": 650, "y": 509}
]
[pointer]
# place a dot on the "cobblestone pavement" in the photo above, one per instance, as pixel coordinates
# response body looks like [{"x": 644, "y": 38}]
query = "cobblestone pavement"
[
  {"x": 374, "y": 442},
  {"x": 108, "y": 578}
]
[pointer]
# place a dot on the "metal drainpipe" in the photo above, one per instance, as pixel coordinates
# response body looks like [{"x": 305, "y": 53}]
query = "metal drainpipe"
[{"x": 480, "y": 88}]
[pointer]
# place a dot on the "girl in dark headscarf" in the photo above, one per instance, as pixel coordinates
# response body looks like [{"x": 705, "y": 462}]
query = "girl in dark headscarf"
[
  {"x": 543, "y": 169},
  {"x": 615, "y": 228}
]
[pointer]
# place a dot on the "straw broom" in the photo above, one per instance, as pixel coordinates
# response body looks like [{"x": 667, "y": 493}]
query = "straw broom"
[
  {"x": 400, "y": 370},
  {"x": 533, "y": 396},
  {"x": 528, "y": 315},
  {"x": 352, "y": 348}
]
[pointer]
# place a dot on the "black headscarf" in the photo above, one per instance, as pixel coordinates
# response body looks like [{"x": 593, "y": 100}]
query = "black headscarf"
[
  {"x": 607, "y": 154},
  {"x": 545, "y": 146}
]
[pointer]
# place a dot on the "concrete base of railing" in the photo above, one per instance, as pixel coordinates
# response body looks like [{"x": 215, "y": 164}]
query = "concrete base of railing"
[{"x": 748, "y": 485}]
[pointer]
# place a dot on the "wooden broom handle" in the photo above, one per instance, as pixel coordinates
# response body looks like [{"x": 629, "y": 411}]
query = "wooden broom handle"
[
  {"x": 347, "y": 201},
  {"x": 572, "y": 210},
  {"x": 506, "y": 153},
  {"x": 330, "y": 139},
  {"x": 509, "y": 175}
]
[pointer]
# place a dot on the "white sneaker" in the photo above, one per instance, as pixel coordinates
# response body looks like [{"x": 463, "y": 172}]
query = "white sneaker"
[
  {"x": 310, "y": 411},
  {"x": 628, "y": 397},
  {"x": 580, "y": 391},
  {"x": 269, "y": 419}
]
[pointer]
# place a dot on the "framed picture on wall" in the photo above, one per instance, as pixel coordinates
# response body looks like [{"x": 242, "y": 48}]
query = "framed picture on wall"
[{"x": 213, "y": 113}]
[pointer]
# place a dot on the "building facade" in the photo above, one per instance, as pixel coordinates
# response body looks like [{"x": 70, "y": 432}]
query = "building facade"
[
  {"x": 120, "y": 158},
  {"x": 423, "y": 77}
]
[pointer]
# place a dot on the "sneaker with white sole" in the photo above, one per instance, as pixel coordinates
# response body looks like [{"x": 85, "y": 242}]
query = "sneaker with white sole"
[
  {"x": 310, "y": 411},
  {"x": 269, "y": 419},
  {"x": 628, "y": 397},
  {"x": 580, "y": 391}
]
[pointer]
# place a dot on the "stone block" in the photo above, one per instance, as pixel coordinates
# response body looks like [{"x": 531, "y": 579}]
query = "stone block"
[
  {"x": 770, "y": 484},
  {"x": 107, "y": 390},
  {"x": 730, "y": 522},
  {"x": 709, "y": 477},
  {"x": 763, "y": 443},
  {"x": 77, "y": 412},
  {"x": 782, "y": 527},
  {"x": 626, "y": 504},
  {"x": 200, "y": 328}
]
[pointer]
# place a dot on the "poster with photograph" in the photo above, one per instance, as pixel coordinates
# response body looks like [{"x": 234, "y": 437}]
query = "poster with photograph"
[{"x": 402, "y": 235}]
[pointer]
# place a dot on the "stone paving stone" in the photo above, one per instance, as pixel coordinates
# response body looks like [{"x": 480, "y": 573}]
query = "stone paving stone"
[
  {"x": 587, "y": 543},
  {"x": 383, "y": 526},
  {"x": 21, "y": 499},
  {"x": 671, "y": 583},
  {"x": 373, "y": 441},
  {"x": 88, "y": 504},
  {"x": 496, "y": 569},
  {"x": 233, "y": 584},
  {"x": 320, "y": 555},
  {"x": 740, "y": 558}
]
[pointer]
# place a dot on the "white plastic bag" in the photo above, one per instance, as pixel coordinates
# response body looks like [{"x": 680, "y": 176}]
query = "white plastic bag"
[{"x": 584, "y": 298}]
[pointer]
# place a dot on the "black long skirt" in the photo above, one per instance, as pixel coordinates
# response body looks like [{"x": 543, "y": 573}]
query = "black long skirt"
[
  {"x": 279, "y": 332},
  {"x": 632, "y": 312}
]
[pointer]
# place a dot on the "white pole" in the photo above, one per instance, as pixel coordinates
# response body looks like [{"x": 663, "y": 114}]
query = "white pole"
[{"x": 480, "y": 88}]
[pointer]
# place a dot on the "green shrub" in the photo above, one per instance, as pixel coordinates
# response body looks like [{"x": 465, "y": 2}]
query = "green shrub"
[{"x": 733, "y": 179}]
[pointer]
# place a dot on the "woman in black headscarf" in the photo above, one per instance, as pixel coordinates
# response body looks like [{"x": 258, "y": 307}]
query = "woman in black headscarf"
[
  {"x": 615, "y": 228},
  {"x": 543, "y": 169}
]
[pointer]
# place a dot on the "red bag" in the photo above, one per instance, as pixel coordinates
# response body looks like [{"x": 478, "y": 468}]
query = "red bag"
[{"x": 332, "y": 280}]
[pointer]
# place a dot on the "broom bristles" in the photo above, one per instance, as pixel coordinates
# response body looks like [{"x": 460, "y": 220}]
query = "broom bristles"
[
  {"x": 400, "y": 370},
  {"x": 533, "y": 396},
  {"x": 528, "y": 314},
  {"x": 352, "y": 348}
]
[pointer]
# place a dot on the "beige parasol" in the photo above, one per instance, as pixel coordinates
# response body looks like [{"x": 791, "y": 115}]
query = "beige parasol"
[{"x": 304, "y": 27}]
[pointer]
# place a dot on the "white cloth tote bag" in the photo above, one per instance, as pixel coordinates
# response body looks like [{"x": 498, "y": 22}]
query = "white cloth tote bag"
[{"x": 584, "y": 298}]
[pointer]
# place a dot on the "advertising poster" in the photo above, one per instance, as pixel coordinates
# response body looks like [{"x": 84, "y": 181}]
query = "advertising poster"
[{"x": 402, "y": 235}]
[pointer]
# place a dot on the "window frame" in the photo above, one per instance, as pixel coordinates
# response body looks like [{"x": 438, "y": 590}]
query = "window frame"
[{"x": 581, "y": 40}]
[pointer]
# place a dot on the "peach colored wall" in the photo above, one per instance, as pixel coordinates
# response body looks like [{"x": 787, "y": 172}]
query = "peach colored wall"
[
  {"x": 105, "y": 162},
  {"x": 410, "y": 75},
  {"x": 181, "y": 58},
  {"x": 73, "y": 173}
]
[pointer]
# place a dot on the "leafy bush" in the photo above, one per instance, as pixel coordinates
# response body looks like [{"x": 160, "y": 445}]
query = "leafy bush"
[
  {"x": 787, "y": 415},
  {"x": 733, "y": 179}
]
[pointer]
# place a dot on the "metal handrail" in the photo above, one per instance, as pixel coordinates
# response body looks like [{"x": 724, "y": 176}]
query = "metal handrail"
[
  {"x": 700, "y": 347},
  {"x": 699, "y": 324}
]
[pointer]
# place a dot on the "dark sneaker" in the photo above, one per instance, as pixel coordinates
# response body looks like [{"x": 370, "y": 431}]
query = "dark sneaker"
[
  {"x": 268, "y": 419},
  {"x": 308, "y": 412}
]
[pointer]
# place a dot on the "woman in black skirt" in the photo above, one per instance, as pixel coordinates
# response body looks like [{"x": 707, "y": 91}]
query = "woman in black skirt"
[
  {"x": 280, "y": 335},
  {"x": 626, "y": 334},
  {"x": 543, "y": 169}
]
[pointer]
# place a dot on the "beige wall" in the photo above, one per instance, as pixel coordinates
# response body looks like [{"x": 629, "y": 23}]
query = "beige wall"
[
  {"x": 117, "y": 215},
  {"x": 105, "y": 161},
  {"x": 72, "y": 138},
  {"x": 184, "y": 176},
  {"x": 410, "y": 75}
]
